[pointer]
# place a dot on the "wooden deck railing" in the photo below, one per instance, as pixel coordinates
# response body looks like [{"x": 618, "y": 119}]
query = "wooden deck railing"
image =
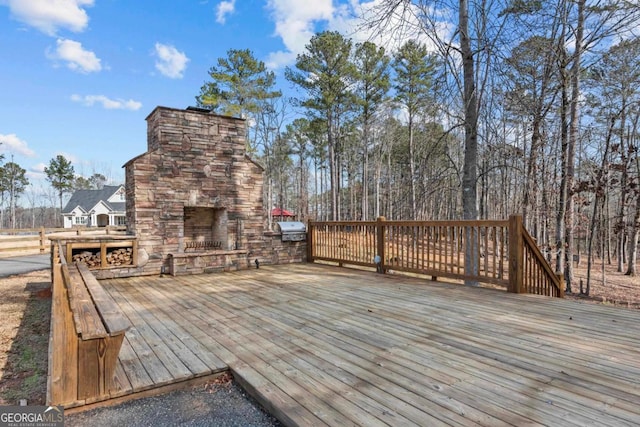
[
  {"x": 31, "y": 240},
  {"x": 496, "y": 252},
  {"x": 18, "y": 241},
  {"x": 538, "y": 276}
]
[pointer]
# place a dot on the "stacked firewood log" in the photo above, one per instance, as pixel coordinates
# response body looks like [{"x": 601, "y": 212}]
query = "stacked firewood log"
[{"x": 116, "y": 257}]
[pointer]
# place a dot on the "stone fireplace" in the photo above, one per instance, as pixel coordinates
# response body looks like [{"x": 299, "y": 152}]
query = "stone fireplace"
[{"x": 194, "y": 199}]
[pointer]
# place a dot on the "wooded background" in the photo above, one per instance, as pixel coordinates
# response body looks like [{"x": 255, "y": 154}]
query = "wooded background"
[
  {"x": 469, "y": 110},
  {"x": 480, "y": 110}
]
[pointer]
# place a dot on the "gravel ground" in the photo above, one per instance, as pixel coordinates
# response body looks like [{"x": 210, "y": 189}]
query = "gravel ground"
[{"x": 222, "y": 404}]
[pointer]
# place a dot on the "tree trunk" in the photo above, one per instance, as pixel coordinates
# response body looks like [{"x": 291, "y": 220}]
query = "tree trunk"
[
  {"x": 469, "y": 173},
  {"x": 389, "y": 187},
  {"x": 269, "y": 204},
  {"x": 592, "y": 231},
  {"x": 599, "y": 202},
  {"x": 620, "y": 223},
  {"x": 573, "y": 138},
  {"x": 531, "y": 171},
  {"x": 634, "y": 235},
  {"x": 564, "y": 138},
  {"x": 378, "y": 184},
  {"x": 315, "y": 188},
  {"x": 365, "y": 172},
  {"x": 333, "y": 173},
  {"x": 60, "y": 219},
  {"x": 632, "y": 252},
  {"x": 412, "y": 168}
]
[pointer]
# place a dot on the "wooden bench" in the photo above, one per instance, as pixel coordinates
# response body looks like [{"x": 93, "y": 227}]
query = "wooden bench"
[{"x": 88, "y": 331}]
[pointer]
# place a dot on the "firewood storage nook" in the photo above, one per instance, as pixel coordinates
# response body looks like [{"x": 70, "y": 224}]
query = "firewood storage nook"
[{"x": 99, "y": 250}]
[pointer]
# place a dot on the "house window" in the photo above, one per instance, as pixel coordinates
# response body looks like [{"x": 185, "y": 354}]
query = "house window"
[
  {"x": 80, "y": 220},
  {"x": 120, "y": 220}
]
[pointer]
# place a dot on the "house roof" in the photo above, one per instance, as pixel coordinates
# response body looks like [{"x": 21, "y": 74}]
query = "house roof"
[
  {"x": 87, "y": 199},
  {"x": 281, "y": 212}
]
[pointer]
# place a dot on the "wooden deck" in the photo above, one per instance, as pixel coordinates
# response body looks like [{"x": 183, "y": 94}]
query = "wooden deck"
[{"x": 323, "y": 345}]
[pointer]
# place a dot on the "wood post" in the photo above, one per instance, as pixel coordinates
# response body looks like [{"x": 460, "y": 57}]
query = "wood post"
[
  {"x": 62, "y": 381},
  {"x": 380, "y": 243},
  {"x": 560, "y": 277},
  {"x": 42, "y": 240},
  {"x": 516, "y": 254},
  {"x": 310, "y": 241}
]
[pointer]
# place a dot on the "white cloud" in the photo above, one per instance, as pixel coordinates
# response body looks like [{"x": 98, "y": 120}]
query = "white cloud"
[
  {"x": 36, "y": 172},
  {"x": 171, "y": 62},
  {"x": 296, "y": 22},
  {"x": 39, "y": 168},
  {"x": 363, "y": 21},
  {"x": 224, "y": 9},
  {"x": 50, "y": 15},
  {"x": 12, "y": 144},
  {"x": 295, "y": 25},
  {"x": 107, "y": 103},
  {"x": 279, "y": 59},
  {"x": 70, "y": 157},
  {"x": 76, "y": 57}
]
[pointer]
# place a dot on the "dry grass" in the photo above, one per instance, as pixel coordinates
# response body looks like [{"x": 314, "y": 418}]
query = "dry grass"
[{"x": 25, "y": 308}]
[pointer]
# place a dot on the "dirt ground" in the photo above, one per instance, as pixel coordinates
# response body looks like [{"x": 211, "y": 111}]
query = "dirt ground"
[
  {"x": 25, "y": 307},
  {"x": 616, "y": 289},
  {"x": 25, "y": 310}
]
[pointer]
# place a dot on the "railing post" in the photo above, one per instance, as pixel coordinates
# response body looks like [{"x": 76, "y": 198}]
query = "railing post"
[
  {"x": 309, "y": 241},
  {"x": 560, "y": 277},
  {"x": 516, "y": 254},
  {"x": 41, "y": 240},
  {"x": 380, "y": 244}
]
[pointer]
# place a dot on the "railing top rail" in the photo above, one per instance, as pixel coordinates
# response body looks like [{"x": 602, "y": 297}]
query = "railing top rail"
[
  {"x": 531, "y": 244},
  {"x": 37, "y": 230},
  {"x": 456, "y": 223},
  {"x": 439, "y": 223},
  {"x": 351, "y": 223},
  {"x": 61, "y": 256}
]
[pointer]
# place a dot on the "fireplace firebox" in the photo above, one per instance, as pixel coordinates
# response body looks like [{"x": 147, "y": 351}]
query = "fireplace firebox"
[{"x": 205, "y": 229}]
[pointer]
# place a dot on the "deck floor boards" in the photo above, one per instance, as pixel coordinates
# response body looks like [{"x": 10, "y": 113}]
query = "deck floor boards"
[{"x": 320, "y": 345}]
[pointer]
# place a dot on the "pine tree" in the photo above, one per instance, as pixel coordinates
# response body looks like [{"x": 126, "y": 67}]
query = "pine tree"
[
  {"x": 372, "y": 87},
  {"x": 14, "y": 182},
  {"x": 240, "y": 86},
  {"x": 60, "y": 174},
  {"x": 326, "y": 73},
  {"x": 415, "y": 69}
]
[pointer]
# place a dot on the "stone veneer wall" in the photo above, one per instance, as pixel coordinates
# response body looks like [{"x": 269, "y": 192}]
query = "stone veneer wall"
[
  {"x": 272, "y": 251},
  {"x": 194, "y": 159},
  {"x": 275, "y": 251}
]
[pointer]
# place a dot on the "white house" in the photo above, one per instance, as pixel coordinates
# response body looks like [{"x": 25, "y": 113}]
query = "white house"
[{"x": 96, "y": 208}]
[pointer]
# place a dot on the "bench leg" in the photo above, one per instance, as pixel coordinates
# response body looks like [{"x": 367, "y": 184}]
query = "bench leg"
[{"x": 97, "y": 360}]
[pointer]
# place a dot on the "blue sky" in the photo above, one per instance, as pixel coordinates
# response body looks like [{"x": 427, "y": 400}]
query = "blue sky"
[{"x": 78, "y": 77}]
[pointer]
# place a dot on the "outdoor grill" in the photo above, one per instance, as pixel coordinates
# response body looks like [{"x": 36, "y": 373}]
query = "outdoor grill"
[{"x": 293, "y": 231}]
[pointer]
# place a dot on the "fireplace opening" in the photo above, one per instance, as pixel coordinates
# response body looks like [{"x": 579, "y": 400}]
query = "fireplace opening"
[{"x": 205, "y": 229}]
